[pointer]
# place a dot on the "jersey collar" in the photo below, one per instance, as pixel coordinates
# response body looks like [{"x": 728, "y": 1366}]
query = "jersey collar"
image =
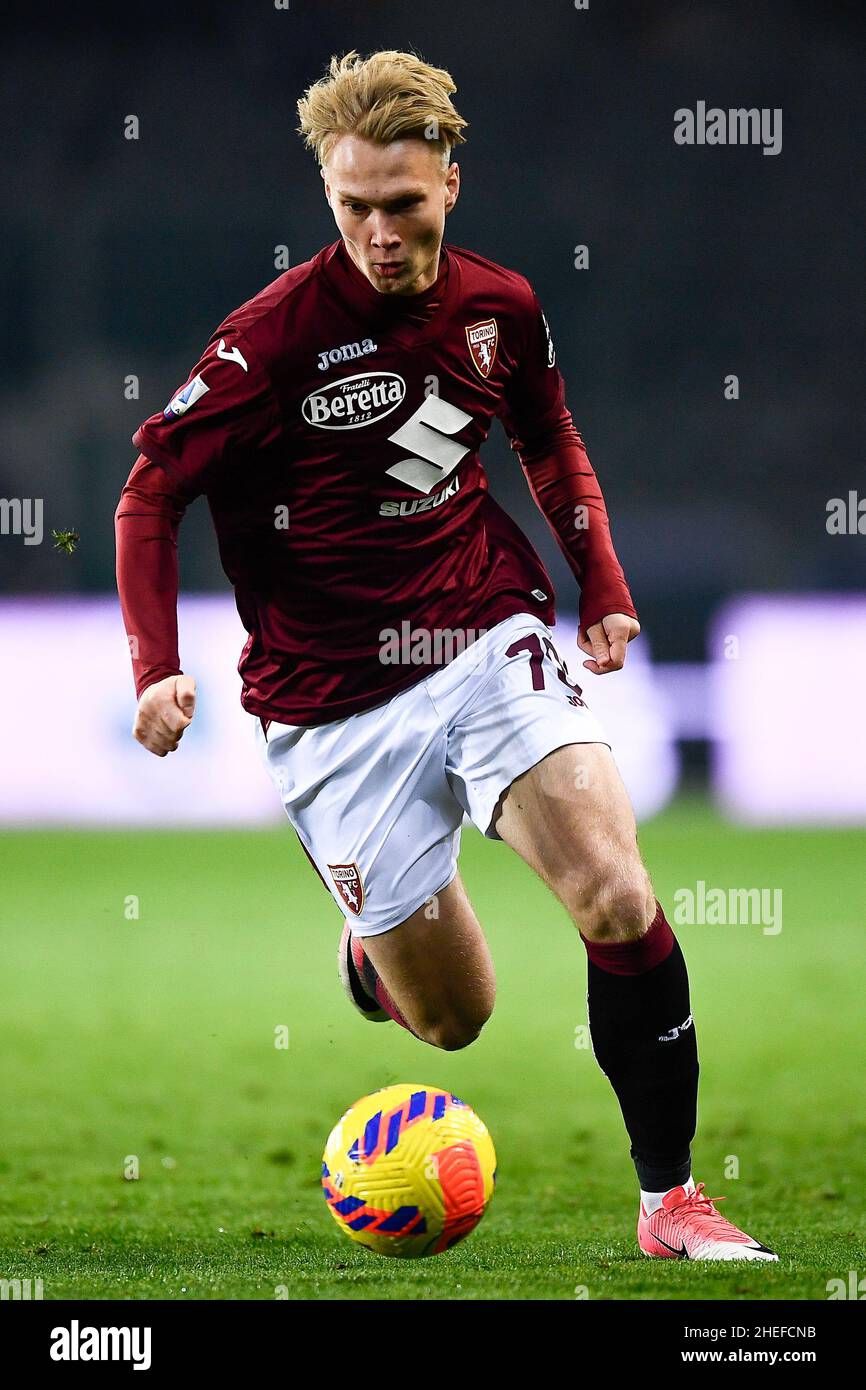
[{"x": 394, "y": 315}]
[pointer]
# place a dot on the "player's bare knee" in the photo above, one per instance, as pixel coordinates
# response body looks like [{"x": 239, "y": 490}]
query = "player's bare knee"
[
  {"x": 618, "y": 907},
  {"x": 454, "y": 1030},
  {"x": 451, "y": 1034}
]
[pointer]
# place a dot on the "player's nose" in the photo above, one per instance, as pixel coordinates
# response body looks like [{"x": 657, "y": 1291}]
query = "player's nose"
[{"x": 383, "y": 235}]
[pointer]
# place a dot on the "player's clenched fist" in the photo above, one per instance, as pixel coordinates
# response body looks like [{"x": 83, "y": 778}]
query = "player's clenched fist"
[
  {"x": 605, "y": 642},
  {"x": 164, "y": 710}
]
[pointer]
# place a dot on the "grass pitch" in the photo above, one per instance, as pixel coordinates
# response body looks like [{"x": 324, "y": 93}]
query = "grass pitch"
[{"x": 147, "y": 1044}]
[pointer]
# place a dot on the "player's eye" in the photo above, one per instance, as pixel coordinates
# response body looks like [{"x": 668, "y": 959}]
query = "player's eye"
[{"x": 356, "y": 207}]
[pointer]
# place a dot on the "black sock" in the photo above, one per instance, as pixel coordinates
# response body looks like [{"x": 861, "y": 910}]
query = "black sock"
[{"x": 644, "y": 1041}]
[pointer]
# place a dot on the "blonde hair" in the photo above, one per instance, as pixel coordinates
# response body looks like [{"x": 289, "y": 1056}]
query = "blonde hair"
[{"x": 387, "y": 96}]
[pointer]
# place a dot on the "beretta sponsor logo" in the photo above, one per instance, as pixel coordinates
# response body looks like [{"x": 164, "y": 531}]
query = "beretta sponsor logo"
[{"x": 354, "y": 401}]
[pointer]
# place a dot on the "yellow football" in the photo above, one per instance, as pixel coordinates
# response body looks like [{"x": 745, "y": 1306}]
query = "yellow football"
[{"x": 408, "y": 1171}]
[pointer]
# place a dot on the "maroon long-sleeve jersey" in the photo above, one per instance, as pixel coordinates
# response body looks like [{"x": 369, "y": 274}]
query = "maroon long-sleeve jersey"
[{"x": 335, "y": 432}]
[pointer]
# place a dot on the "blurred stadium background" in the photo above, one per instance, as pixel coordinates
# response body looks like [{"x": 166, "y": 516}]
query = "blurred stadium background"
[
  {"x": 739, "y": 716},
  {"x": 122, "y": 255}
]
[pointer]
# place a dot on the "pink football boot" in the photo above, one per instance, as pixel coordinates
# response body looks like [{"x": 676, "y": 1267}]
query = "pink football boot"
[
  {"x": 363, "y": 987},
  {"x": 687, "y": 1226}
]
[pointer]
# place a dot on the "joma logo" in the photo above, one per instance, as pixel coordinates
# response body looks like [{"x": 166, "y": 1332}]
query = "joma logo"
[
  {"x": 345, "y": 353},
  {"x": 675, "y": 1032}
]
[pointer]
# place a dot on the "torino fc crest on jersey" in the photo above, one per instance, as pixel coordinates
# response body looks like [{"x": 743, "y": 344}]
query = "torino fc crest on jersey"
[{"x": 482, "y": 339}]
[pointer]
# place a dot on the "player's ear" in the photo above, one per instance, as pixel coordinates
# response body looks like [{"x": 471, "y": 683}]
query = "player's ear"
[{"x": 452, "y": 183}]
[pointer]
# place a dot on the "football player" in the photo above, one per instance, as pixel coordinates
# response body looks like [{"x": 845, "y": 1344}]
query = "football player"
[{"x": 400, "y": 667}]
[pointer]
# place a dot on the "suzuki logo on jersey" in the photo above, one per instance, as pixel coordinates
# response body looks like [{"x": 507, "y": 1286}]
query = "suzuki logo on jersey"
[
  {"x": 180, "y": 404},
  {"x": 419, "y": 504},
  {"x": 425, "y": 433},
  {"x": 347, "y": 881},
  {"x": 354, "y": 401},
  {"x": 232, "y": 354},
  {"x": 482, "y": 339},
  {"x": 345, "y": 353}
]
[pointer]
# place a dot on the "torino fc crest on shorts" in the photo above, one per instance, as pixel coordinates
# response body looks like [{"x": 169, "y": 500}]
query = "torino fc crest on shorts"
[
  {"x": 347, "y": 879},
  {"x": 482, "y": 339}
]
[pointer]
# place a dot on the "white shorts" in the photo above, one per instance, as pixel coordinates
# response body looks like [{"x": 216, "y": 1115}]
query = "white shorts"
[{"x": 377, "y": 799}]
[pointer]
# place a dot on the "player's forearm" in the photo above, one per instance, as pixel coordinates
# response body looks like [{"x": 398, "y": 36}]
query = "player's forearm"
[
  {"x": 568, "y": 493},
  {"x": 146, "y": 524}
]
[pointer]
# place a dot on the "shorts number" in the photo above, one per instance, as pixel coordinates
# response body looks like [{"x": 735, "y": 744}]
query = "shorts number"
[{"x": 538, "y": 648}]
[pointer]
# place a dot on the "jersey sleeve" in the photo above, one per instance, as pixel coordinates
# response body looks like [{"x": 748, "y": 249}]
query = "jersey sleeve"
[
  {"x": 146, "y": 528},
  {"x": 534, "y": 398},
  {"x": 224, "y": 412},
  {"x": 560, "y": 476}
]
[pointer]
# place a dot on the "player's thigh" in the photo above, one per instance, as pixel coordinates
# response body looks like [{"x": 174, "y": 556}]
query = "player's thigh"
[
  {"x": 571, "y": 819},
  {"x": 437, "y": 967}
]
